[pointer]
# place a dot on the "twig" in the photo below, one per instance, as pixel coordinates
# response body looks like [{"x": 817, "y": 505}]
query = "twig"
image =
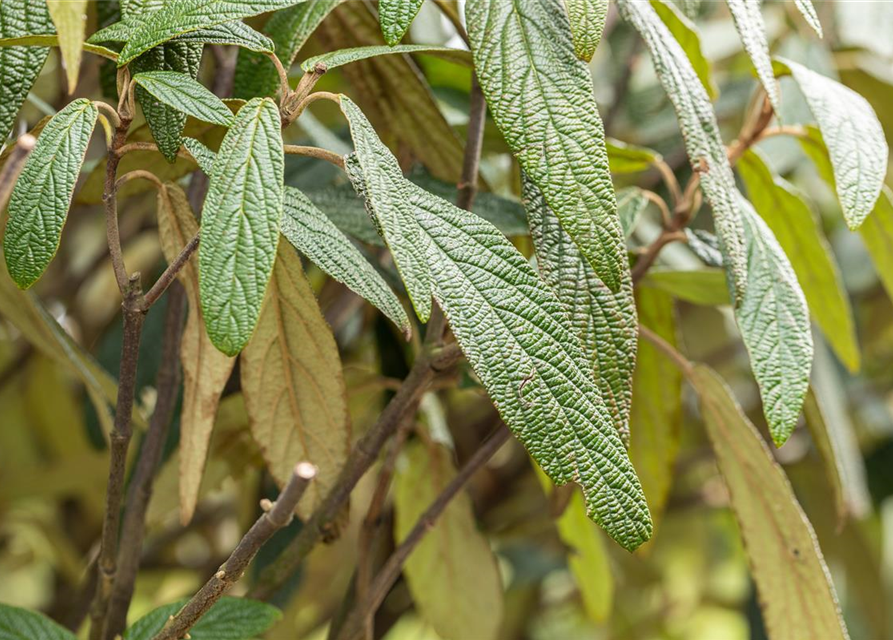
[
  {"x": 109, "y": 111},
  {"x": 477, "y": 117},
  {"x": 148, "y": 146},
  {"x": 647, "y": 259},
  {"x": 277, "y": 516},
  {"x": 284, "y": 87},
  {"x": 139, "y": 174},
  {"x": 14, "y": 165},
  {"x": 314, "y": 152},
  {"x": 294, "y": 103},
  {"x": 661, "y": 204},
  {"x": 667, "y": 349},
  {"x": 166, "y": 278},
  {"x": 109, "y": 197}
]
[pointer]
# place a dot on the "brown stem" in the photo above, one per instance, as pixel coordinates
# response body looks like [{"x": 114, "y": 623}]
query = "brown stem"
[
  {"x": 170, "y": 274},
  {"x": 14, "y": 165},
  {"x": 139, "y": 174},
  {"x": 278, "y": 516},
  {"x": 293, "y": 104},
  {"x": 314, "y": 152},
  {"x": 477, "y": 117},
  {"x": 148, "y": 146},
  {"x": 109, "y": 197}
]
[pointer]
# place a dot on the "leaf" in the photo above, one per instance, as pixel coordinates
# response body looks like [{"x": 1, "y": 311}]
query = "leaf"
[
  {"x": 229, "y": 619},
  {"x": 236, "y": 33},
  {"x": 631, "y": 203},
  {"x": 774, "y": 323},
  {"x": 184, "y": 16},
  {"x": 812, "y": 18},
  {"x": 204, "y": 157},
  {"x": 629, "y": 158},
  {"x": 293, "y": 385},
  {"x": 396, "y": 16},
  {"x": 749, "y": 22},
  {"x": 877, "y": 234},
  {"x": 854, "y": 138},
  {"x": 312, "y": 233},
  {"x": 604, "y": 321},
  {"x": 796, "y": 595},
  {"x": 335, "y": 59},
  {"x": 705, "y": 245},
  {"x": 686, "y": 34},
  {"x": 39, "y": 202},
  {"x": 70, "y": 18},
  {"x": 656, "y": 417},
  {"x": 704, "y": 286},
  {"x": 700, "y": 132},
  {"x": 385, "y": 191},
  {"x": 205, "y": 369},
  {"x": 46, "y": 40},
  {"x": 587, "y": 19},
  {"x": 21, "y": 624},
  {"x": 795, "y": 227},
  {"x": 240, "y": 225},
  {"x": 186, "y": 95},
  {"x": 452, "y": 573},
  {"x": 19, "y": 66},
  {"x": 542, "y": 101}
]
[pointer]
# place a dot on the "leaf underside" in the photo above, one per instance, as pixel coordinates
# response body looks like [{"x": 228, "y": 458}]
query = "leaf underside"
[
  {"x": 396, "y": 16},
  {"x": 748, "y": 20}
]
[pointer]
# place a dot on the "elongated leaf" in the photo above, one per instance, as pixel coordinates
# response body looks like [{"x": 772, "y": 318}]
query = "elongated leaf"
[
  {"x": 20, "y": 65},
  {"x": 812, "y": 18},
  {"x": 70, "y": 18},
  {"x": 20, "y": 624},
  {"x": 205, "y": 369},
  {"x": 543, "y": 104},
  {"x": 877, "y": 234},
  {"x": 796, "y": 594},
  {"x": 821, "y": 437},
  {"x": 587, "y": 18},
  {"x": 346, "y": 56},
  {"x": 31, "y": 41},
  {"x": 686, "y": 34},
  {"x": 604, "y": 321},
  {"x": 704, "y": 286},
  {"x": 229, "y": 619},
  {"x": 293, "y": 386},
  {"x": 186, "y": 95},
  {"x": 796, "y": 229},
  {"x": 452, "y": 573},
  {"x": 631, "y": 203},
  {"x": 396, "y": 16},
  {"x": 705, "y": 245},
  {"x": 204, "y": 157},
  {"x": 700, "y": 132},
  {"x": 236, "y": 33},
  {"x": 386, "y": 194},
  {"x": 854, "y": 138},
  {"x": 749, "y": 22},
  {"x": 240, "y": 225},
  {"x": 39, "y": 203},
  {"x": 774, "y": 323},
  {"x": 629, "y": 158}
]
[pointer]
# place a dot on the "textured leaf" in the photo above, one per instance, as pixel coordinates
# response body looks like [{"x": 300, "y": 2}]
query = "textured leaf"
[
  {"x": 240, "y": 225},
  {"x": 540, "y": 95},
  {"x": 877, "y": 234},
  {"x": 700, "y": 132},
  {"x": 854, "y": 138},
  {"x": 812, "y": 18},
  {"x": 587, "y": 18},
  {"x": 704, "y": 286},
  {"x": 236, "y": 33},
  {"x": 604, "y": 321},
  {"x": 774, "y": 323},
  {"x": 386, "y": 193},
  {"x": 293, "y": 386},
  {"x": 452, "y": 573},
  {"x": 19, "y": 66},
  {"x": 749, "y": 22},
  {"x": 21, "y": 624},
  {"x": 52, "y": 40},
  {"x": 39, "y": 202},
  {"x": 204, "y": 157},
  {"x": 186, "y": 95},
  {"x": 797, "y": 231},
  {"x": 396, "y": 16},
  {"x": 205, "y": 369},
  {"x": 705, "y": 245},
  {"x": 70, "y": 18},
  {"x": 796, "y": 595},
  {"x": 686, "y": 34},
  {"x": 229, "y": 619},
  {"x": 631, "y": 203},
  {"x": 341, "y": 57}
]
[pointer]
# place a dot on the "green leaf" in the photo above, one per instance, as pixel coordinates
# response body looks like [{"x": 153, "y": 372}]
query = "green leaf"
[
  {"x": 20, "y": 624},
  {"x": 631, "y": 203},
  {"x": 240, "y": 225},
  {"x": 700, "y": 131},
  {"x": 542, "y": 101},
  {"x": 385, "y": 191},
  {"x": 686, "y": 34},
  {"x": 795, "y": 227},
  {"x": 191, "y": 15},
  {"x": 186, "y": 95},
  {"x": 877, "y": 234},
  {"x": 20, "y": 65},
  {"x": 452, "y": 573},
  {"x": 229, "y": 619},
  {"x": 604, "y": 321},
  {"x": 705, "y": 286},
  {"x": 629, "y": 158},
  {"x": 812, "y": 18},
  {"x": 204, "y": 157},
  {"x": 70, "y": 18},
  {"x": 749, "y": 22},
  {"x": 395, "y": 17},
  {"x": 341, "y": 57},
  {"x": 313, "y": 234},
  {"x": 236, "y": 33},
  {"x": 44, "y": 40},
  {"x": 705, "y": 245},
  {"x": 795, "y": 591},
  {"x": 39, "y": 202},
  {"x": 587, "y": 19},
  {"x": 854, "y": 138},
  {"x": 774, "y": 323}
]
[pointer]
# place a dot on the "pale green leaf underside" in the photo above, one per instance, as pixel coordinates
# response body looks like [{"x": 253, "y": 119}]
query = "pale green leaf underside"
[
  {"x": 749, "y": 22},
  {"x": 346, "y": 56},
  {"x": 631, "y": 203},
  {"x": 20, "y": 624},
  {"x": 686, "y": 34},
  {"x": 774, "y": 322},
  {"x": 395, "y": 17},
  {"x": 240, "y": 225},
  {"x": 587, "y": 18},
  {"x": 39, "y": 202},
  {"x": 540, "y": 95},
  {"x": 204, "y": 157},
  {"x": 812, "y": 18},
  {"x": 188, "y": 96}
]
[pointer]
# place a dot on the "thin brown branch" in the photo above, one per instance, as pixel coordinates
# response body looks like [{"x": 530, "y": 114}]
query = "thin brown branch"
[
  {"x": 646, "y": 260},
  {"x": 174, "y": 268},
  {"x": 661, "y": 204},
  {"x": 314, "y": 152},
  {"x": 109, "y": 198},
  {"x": 148, "y": 146},
  {"x": 139, "y": 174},
  {"x": 477, "y": 118},
  {"x": 294, "y": 103},
  {"x": 278, "y": 516},
  {"x": 669, "y": 178},
  {"x": 667, "y": 349},
  {"x": 14, "y": 165},
  {"x": 284, "y": 87},
  {"x": 109, "y": 111}
]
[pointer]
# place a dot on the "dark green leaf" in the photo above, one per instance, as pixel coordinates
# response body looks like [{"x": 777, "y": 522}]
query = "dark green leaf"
[
  {"x": 21, "y": 624},
  {"x": 396, "y": 16},
  {"x": 705, "y": 286},
  {"x": 229, "y": 619},
  {"x": 186, "y": 95},
  {"x": 346, "y": 56}
]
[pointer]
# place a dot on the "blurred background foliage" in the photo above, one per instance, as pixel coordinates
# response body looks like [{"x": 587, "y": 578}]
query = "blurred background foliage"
[{"x": 560, "y": 576}]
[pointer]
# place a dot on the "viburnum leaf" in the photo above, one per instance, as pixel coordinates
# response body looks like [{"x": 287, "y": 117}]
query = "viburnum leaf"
[
  {"x": 204, "y": 157},
  {"x": 395, "y": 17},
  {"x": 587, "y": 18},
  {"x": 686, "y": 34},
  {"x": 877, "y": 234},
  {"x": 706, "y": 287},
  {"x": 21, "y": 624},
  {"x": 240, "y": 225},
  {"x": 228, "y": 619},
  {"x": 543, "y": 103},
  {"x": 39, "y": 202},
  {"x": 186, "y": 95},
  {"x": 631, "y": 203},
  {"x": 748, "y": 19},
  {"x": 235, "y": 33},
  {"x": 70, "y": 18},
  {"x": 341, "y": 57},
  {"x": 629, "y": 158},
  {"x": 812, "y": 18}
]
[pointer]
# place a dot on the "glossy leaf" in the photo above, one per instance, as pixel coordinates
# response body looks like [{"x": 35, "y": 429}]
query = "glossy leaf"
[
  {"x": 749, "y": 21},
  {"x": 686, "y": 34},
  {"x": 396, "y": 16},
  {"x": 877, "y": 234},
  {"x": 587, "y": 18},
  {"x": 809, "y": 14},
  {"x": 21, "y": 624},
  {"x": 229, "y": 619},
  {"x": 39, "y": 203},
  {"x": 540, "y": 95},
  {"x": 186, "y": 95},
  {"x": 341, "y": 57},
  {"x": 240, "y": 225},
  {"x": 70, "y": 18}
]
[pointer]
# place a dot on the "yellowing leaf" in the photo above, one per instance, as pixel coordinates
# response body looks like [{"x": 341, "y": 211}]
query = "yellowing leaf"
[{"x": 70, "y": 18}]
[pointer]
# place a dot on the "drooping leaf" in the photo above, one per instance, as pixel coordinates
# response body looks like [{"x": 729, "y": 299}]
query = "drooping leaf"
[
  {"x": 395, "y": 17},
  {"x": 293, "y": 385},
  {"x": 39, "y": 202},
  {"x": 604, "y": 321},
  {"x": 774, "y": 322},
  {"x": 229, "y": 619},
  {"x": 631, "y": 203},
  {"x": 21, "y": 624},
  {"x": 186, "y": 95},
  {"x": 452, "y": 573},
  {"x": 70, "y": 18},
  {"x": 205, "y": 369},
  {"x": 386, "y": 194},
  {"x": 796, "y": 595},
  {"x": 240, "y": 225},
  {"x": 686, "y": 34},
  {"x": 749, "y": 21},
  {"x": 629, "y": 158},
  {"x": 854, "y": 139},
  {"x": 704, "y": 286},
  {"x": 544, "y": 106},
  {"x": 794, "y": 225},
  {"x": 812, "y": 18},
  {"x": 587, "y": 18},
  {"x": 700, "y": 132},
  {"x": 341, "y": 57},
  {"x": 877, "y": 234}
]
